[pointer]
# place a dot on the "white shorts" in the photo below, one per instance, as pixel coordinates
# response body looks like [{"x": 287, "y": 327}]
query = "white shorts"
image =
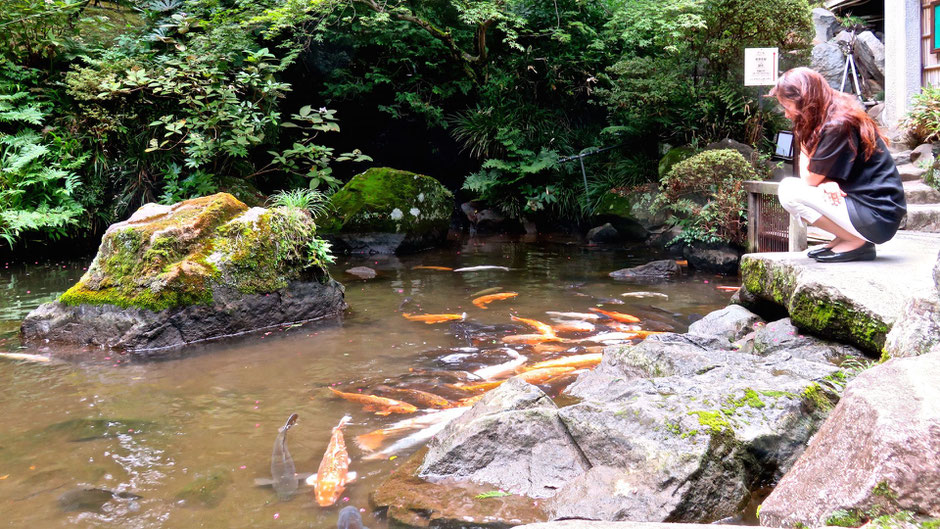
[{"x": 808, "y": 203}]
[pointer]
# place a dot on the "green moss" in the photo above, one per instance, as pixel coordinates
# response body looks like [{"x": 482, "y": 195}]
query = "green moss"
[
  {"x": 712, "y": 420},
  {"x": 840, "y": 321},
  {"x": 843, "y": 518},
  {"x": 773, "y": 285},
  {"x": 930, "y": 524},
  {"x": 206, "y": 490},
  {"x": 816, "y": 397},
  {"x": 672, "y": 157},
  {"x": 777, "y": 394},
  {"x": 389, "y": 200},
  {"x": 884, "y": 490}
]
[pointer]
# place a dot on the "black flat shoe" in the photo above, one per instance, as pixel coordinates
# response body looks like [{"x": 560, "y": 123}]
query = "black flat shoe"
[
  {"x": 818, "y": 251},
  {"x": 865, "y": 252}
]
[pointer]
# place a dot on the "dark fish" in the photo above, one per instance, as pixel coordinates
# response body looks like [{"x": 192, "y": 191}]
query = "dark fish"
[
  {"x": 282, "y": 465},
  {"x": 92, "y": 500},
  {"x": 404, "y": 302},
  {"x": 349, "y": 518}
]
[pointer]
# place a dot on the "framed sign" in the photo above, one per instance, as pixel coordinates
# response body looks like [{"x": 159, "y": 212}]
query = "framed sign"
[
  {"x": 760, "y": 66},
  {"x": 935, "y": 26}
]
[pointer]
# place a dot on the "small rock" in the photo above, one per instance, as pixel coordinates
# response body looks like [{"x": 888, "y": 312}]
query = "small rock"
[
  {"x": 916, "y": 330},
  {"x": 603, "y": 234},
  {"x": 718, "y": 258},
  {"x": 902, "y": 157},
  {"x": 661, "y": 269},
  {"x": 909, "y": 172},
  {"x": 923, "y": 155},
  {"x": 362, "y": 272},
  {"x": 728, "y": 324}
]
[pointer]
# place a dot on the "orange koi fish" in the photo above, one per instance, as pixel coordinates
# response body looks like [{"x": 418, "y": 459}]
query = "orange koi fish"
[
  {"x": 574, "y": 326},
  {"x": 530, "y": 339},
  {"x": 727, "y": 288},
  {"x": 544, "y": 348},
  {"x": 423, "y": 398},
  {"x": 380, "y": 405},
  {"x": 438, "y": 268},
  {"x": 616, "y": 316},
  {"x": 543, "y": 328},
  {"x": 622, "y": 327},
  {"x": 483, "y": 301},
  {"x": 434, "y": 318},
  {"x": 483, "y": 386},
  {"x": 535, "y": 376},
  {"x": 333, "y": 474},
  {"x": 682, "y": 262},
  {"x": 374, "y": 439},
  {"x": 575, "y": 361}
]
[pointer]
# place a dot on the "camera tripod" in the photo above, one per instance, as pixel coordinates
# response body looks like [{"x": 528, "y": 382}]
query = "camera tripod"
[{"x": 848, "y": 48}]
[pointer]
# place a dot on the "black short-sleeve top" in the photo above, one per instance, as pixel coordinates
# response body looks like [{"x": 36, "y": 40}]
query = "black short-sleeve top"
[{"x": 875, "y": 196}]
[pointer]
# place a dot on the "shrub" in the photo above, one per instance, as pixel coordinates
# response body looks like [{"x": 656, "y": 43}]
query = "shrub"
[
  {"x": 706, "y": 196},
  {"x": 922, "y": 123}
]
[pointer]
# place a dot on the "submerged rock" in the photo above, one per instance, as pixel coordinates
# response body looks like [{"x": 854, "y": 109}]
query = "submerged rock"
[
  {"x": 389, "y": 211},
  {"x": 718, "y": 258},
  {"x": 603, "y": 234},
  {"x": 206, "y": 489},
  {"x": 878, "y": 452},
  {"x": 362, "y": 272},
  {"x": 200, "y": 269},
  {"x": 90, "y": 499},
  {"x": 661, "y": 269}
]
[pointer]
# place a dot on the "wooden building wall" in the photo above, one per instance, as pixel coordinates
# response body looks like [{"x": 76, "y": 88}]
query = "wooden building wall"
[{"x": 930, "y": 62}]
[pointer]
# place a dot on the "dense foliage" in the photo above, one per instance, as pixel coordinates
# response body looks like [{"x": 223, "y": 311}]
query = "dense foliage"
[{"x": 168, "y": 99}]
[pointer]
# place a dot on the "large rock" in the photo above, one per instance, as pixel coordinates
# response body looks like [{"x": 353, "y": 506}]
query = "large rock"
[
  {"x": 676, "y": 429},
  {"x": 825, "y": 23},
  {"x": 783, "y": 336},
  {"x": 878, "y": 452},
  {"x": 200, "y": 269},
  {"x": 603, "y": 234},
  {"x": 629, "y": 212},
  {"x": 828, "y": 60},
  {"x": 672, "y": 157},
  {"x": 917, "y": 329},
  {"x": 870, "y": 56},
  {"x": 512, "y": 440},
  {"x": 714, "y": 257},
  {"x": 662, "y": 269},
  {"x": 389, "y": 211}
]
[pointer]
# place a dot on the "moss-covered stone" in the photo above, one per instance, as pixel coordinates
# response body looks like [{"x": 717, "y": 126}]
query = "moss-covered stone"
[
  {"x": 391, "y": 201},
  {"x": 206, "y": 490},
  {"x": 672, "y": 157},
  {"x": 176, "y": 256}
]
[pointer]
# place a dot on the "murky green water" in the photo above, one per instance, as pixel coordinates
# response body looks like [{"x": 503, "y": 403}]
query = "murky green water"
[{"x": 206, "y": 423}]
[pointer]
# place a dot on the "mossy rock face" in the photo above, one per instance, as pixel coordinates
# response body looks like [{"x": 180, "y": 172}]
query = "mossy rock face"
[
  {"x": 415, "y": 209},
  {"x": 629, "y": 211},
  {"x": 672, "y": 157},
  {"x": 205, "y": 259}
]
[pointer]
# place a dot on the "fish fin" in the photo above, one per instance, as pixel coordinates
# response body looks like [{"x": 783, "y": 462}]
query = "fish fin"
[
  {"x": 383, "y": 413},
  {"x": 264, "y": 482},
  {"x": 351, "y": 476},
  {"x": 311, "y": 480}
]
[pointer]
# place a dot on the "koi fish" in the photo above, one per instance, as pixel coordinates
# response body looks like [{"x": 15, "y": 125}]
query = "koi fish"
[
  {"x": 438, "y": 268},
  {"x": 434, "y": 318},
  {"x": 26, "y": 357},
  {"x": 415, "y": 438},
  {"x": 349, "y": 518},
  {"x": 333, "y": 473},
  {"x": 727, "y": 288},
  {"x": 644, "y": 295},
  {"x": 573, "y": 315},
  {"x": 529, "y": 339},
  {"x": 283, "y": 473},
  {"x": 372, "y": 440},
  {"x": 507, "y": 368},
  {"x": 459, "y": 376},
  {"x": 483, "y": 301},
  {"x": 481, "y": 268},
  {"x": 682, "y": 262},
  {"x": 575, "y": 361},
  {"x": 380, "y": 405},
  {"x": 543, "y": 328},
  {"x": 423, "y": 398},
  {"x": 616, "y": 316},
  {"x": 485, "y": 291},
  {"x": 622, "y": 327},
  {"x": 611, "y": 337},
  {"x": 574, "y": 326},
  {"x": 543, "y": 348},
  {"x": 535, "y": 376}
]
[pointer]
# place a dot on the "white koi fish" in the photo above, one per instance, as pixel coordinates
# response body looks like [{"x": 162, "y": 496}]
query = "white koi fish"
[
  {"x": 481, "y": 268},
  {"x": 500, "y": 370}
]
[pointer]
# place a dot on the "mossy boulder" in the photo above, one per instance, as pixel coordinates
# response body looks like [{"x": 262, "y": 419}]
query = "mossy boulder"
[
  {"x": 629, "y": 212},
  {"x": 672, "y": 157},
  {"x": 199, "y": 269},
  {"x": 387, "y": 210}
]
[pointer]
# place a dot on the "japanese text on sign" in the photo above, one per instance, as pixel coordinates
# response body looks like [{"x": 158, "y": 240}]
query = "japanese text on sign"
[{"x": 760, "y": 66}]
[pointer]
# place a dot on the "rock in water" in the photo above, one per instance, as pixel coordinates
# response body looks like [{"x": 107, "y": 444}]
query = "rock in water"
[
  {"x": 879, "y": 450},
  {"x": 362, "y": 272},
  {"x": 200, "y": 269},
  {"x": 389, "y": 211},
  {"x": 655, "y": 270}
]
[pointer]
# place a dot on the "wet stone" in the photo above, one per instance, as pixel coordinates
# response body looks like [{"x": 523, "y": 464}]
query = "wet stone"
[
  {"x": 206, "y": 490},
  {"x": 90, "y": 499},
  {"x": 78, "y": 430},
  {"x": 661, "y": 269},
  {"x": 362, "y": 272}
]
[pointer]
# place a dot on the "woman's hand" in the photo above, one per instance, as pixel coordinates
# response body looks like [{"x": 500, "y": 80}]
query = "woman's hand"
[{"x": 832, "y": 191}]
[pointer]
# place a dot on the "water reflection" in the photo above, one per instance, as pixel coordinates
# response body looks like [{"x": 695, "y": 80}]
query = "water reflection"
[{"x": 207, "y": 421}]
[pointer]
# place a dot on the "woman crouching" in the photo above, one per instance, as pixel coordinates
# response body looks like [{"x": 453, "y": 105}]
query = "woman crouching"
[{"x": 848, "y": 184}]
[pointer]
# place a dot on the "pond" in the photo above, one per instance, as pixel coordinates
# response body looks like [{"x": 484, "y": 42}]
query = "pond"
[{"x": 180, "y": 441}]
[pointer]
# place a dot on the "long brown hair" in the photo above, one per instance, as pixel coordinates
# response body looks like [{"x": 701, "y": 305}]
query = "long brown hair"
[{"x": 817, "y": 104}]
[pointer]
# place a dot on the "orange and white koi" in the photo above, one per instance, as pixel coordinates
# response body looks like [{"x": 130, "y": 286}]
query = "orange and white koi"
[
  {"x": 372, "y": 440},
  {"x": 380, "y": 405},
  {"x": 573, "y": 315},
  {"x": 727, "y": 288},
  {"x": 438, "y": 268},
  {"x": 434, "y": 318},
  {"x": 535, "y": 376},
  {"x": 543, "y": 348},
  {"x": 483, "y": 301},
  {"x": 424, "y": 398},
  {"x": 443, "y": 418},
  {"x": 481, "y": 268},
  {"x": 610, "y": 338},
  {"x": 616, "y": 316},
  {"x": 333, "y": 474},
  {"x": 501, "y": 370},
  {"x": 574, "y": 326},
  {"x": 645, "y": 295},
  {"x": 529, "y": 339},
  {"x": 622, "y": 327},
  {"x": 543, "y": 328},
  {"x": 575, "y": 361}
]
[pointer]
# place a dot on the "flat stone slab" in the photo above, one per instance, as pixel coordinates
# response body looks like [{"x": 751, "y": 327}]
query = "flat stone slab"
[
  {"x": 856, "y": 302},
  {"x": 917, "y": 192},
  {"x": 922, "y": 217},
  {"x": 590, "y": 524}
]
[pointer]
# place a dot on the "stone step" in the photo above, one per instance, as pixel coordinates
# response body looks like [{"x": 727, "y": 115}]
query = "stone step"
[
  {"x": 922, "y": 217},
  {"x": 917, "y": 192},
  {"x": 910, "y": 172}
]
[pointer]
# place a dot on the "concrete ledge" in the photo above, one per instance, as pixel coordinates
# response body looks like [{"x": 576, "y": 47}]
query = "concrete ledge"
[{"x": 855, "y": 303}]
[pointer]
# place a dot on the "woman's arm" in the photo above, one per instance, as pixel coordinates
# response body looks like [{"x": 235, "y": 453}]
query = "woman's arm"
[{"x": 813, "y": 179}]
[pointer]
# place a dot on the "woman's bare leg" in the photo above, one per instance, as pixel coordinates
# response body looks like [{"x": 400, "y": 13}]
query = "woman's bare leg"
[{"x": 844, "y": 240}]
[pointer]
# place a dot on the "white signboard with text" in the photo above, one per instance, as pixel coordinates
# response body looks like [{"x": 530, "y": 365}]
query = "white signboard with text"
[{"x": 760, "y": 66}]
